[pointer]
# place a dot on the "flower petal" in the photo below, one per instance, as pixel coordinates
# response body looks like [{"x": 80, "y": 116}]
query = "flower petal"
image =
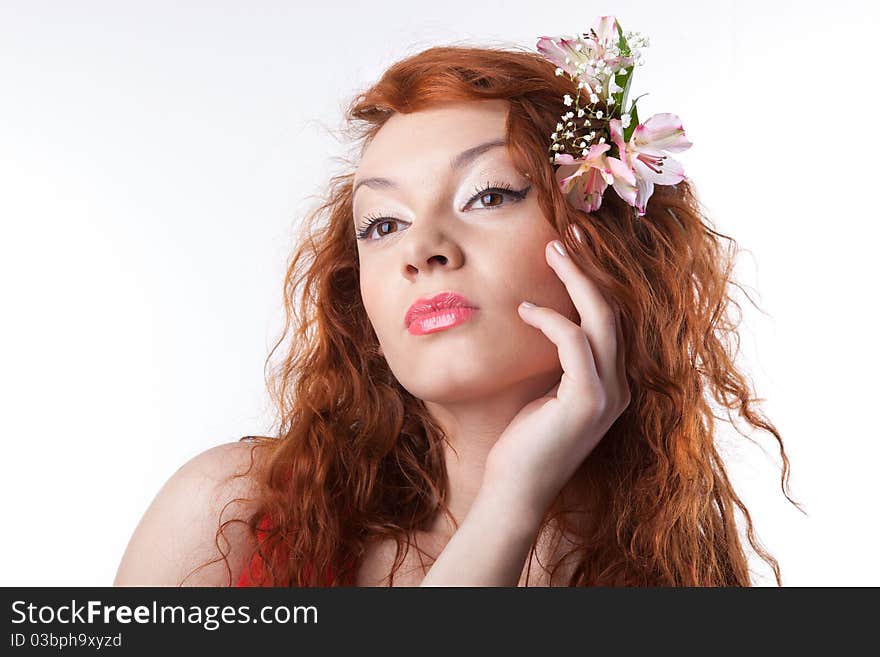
[
  {"x": 616, "y": 128},
  {"x": 548, "y": 47},
  {"x": 576, "y": 194},
  {"x": 596, "y": 151},
  {"x": 620, "y": 169},
  {"x": 644, "y": 190},
  {"x": 605, "y": 28},
  {"x": 594, "y": 187},
  {"x": 557, "y": 49},
  {"x": 563, "y": 158},
  {"x": 567, "y": 174},
  {"x": 671, "y": 171},
  {"x": 626, "y": 189},
  {"x": 663, "y": 131}
]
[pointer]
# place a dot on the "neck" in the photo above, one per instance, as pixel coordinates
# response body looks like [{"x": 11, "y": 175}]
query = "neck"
[{"x": 472, "y": 427}]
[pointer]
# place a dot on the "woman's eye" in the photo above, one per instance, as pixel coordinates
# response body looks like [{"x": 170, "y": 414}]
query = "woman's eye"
[
  {"x": 497, "y": 192},
  {"x": 497, "y": 195},
  {"x": 386, "y": 222},
  {"x": 489, "y": 197},
  {"x": 365, "y": 231}
]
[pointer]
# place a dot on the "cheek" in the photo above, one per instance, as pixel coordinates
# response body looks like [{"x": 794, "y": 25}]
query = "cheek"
[
  {"x": 378, "y": 303},
  {"x": 545, "y": 288},
  {"x": 369, "y": 297}
]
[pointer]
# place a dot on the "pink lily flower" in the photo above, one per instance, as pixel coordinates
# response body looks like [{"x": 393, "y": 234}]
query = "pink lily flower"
[
  {"x": 586, "y": 179},
  {"x": 606, "y": 29},
  {"x": 645, "y": 156},
  {"x": 560, "y": 49}
]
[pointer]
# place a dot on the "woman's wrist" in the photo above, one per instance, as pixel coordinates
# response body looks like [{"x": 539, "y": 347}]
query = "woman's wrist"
[
  {"x": 515, "y": 511},
  {"x": 491, "y": 544}
]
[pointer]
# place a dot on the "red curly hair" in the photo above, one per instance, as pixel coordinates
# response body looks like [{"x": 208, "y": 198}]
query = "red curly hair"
[{"x": 356, "y": 457}]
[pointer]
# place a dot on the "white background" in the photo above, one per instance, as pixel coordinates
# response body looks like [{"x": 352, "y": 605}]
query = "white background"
[{"x": 155, "y": 158}]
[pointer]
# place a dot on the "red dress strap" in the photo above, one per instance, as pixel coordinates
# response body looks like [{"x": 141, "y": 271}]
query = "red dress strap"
[{"x": 252, "y": 574}]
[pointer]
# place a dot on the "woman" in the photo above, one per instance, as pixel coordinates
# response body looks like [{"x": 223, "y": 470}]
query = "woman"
[{"x": 432, "y": 430}]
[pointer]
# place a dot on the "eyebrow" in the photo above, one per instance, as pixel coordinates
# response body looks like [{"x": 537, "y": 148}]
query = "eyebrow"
[{"x": 462, "y": 159}]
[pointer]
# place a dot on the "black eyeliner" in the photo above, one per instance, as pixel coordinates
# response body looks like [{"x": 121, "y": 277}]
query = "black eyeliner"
[{"x": 370, "y": 220}]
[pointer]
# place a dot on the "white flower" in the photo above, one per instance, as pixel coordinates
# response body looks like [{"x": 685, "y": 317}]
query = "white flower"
[
  {"x": 594, "y": 98},
  {"x": 559, "y": 126},
  {"x": 567, "y": 99},
  {"x": 559, "y": 71},
  {"x": 624, "y": 120},
  {"x": 599, "y": 114}
]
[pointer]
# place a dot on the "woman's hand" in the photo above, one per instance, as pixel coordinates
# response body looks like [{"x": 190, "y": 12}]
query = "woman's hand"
[{"x": 550, "y": 437}]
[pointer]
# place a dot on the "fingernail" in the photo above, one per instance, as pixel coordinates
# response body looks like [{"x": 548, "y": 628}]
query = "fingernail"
[
  {"x": 527, "y": 304},
  {"x": 559, "y": 248}
]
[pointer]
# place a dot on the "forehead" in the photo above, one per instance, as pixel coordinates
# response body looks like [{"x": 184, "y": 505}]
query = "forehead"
[{"x": 439, "y": 132}]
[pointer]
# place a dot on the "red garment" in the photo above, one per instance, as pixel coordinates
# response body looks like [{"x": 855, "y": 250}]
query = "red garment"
[{"x": 252, "y": 573}]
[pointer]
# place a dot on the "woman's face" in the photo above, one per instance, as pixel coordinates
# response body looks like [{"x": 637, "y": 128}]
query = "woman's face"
[{"x": 440, "y": 233}]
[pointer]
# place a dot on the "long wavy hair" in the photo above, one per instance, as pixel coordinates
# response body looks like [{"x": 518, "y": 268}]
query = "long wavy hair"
[{"x": 355, "y": 457}]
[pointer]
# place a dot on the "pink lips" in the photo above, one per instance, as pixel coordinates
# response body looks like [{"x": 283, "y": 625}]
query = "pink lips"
[{"x": 439, "y": 312}]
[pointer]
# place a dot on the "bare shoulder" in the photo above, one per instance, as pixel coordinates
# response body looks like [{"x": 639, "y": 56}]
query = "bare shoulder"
[{"x": 178, "y": 531}]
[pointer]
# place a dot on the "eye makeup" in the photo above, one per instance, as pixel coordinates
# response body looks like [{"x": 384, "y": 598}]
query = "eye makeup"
[{"x": 365, "y": 228}]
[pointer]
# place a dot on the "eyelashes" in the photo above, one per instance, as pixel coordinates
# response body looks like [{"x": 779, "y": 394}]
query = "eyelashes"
[{"x": 365, "y": 228}]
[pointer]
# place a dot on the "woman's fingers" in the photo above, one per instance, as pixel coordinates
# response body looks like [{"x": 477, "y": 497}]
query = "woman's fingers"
[
  {"x": 575, "y": 353},
  {"x": 598, "y": 318}
]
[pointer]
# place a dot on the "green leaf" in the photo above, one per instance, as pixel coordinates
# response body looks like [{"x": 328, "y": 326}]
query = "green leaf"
[
  {"x": 633, "y": 121},
  {"x": 622, "y": 80}
]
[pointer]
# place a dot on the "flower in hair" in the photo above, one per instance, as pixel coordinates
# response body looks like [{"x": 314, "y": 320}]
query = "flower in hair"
[{"x": 599, "y": 141}]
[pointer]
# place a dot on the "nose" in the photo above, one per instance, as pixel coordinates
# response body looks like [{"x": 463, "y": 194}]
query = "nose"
[{"x": 428, "y": 247}]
